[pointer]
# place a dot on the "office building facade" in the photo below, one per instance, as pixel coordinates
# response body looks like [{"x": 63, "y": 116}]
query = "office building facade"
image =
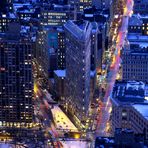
[
  {"x": 42, "y": 53},
  {"x": 78, "y": 51},
  {"x": 5, "y": 20},
  {"x": 16, "y": 89},
  {"x": 135, "y": 62},
  {"x": 59, "y": 78},
  {"x": 129, "y": 106},
  {"x": 57, "y": 16}
]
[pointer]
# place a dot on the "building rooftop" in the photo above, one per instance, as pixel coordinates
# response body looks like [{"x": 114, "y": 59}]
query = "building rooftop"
[
  {"x": 140, "y": 40},
  {"x": 60, "y": 73},
  {"x": 130, "y": 91},
  {"x": 140, "y": 49},
  {"x": 92, "y": 73},
  {"x": 80, "y": 29},
  {"x": 23, "y": 8},
  {"x": 141, "y": 44},
  {"x": 135, "y": 20},
  {"x": 61, "y": 7},
  {"x": 124, "y": 137},
  {"x": 144, "y": 16},
  {"x": 137, "y": 38},
  {"x": 142, "y": 109}
]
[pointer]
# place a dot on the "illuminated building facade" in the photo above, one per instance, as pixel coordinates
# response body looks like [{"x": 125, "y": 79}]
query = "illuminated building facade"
[
  {"x": 78, "y": 51},
  {"x": 57, "y": 16},
  {"x": 129, "y": 106},
  {"x": 61, "y": 57},
  {"x": 135, "y": 25},
  {"x": 139, "y": 113},
  {"x": 135, "y": 59},
  {"x": 6, "y": 14},
  {"x": 16, "y": 82},
  {"x": 138, "y": 24},
  {"x": 42, "y": 54},
  {"x": 144, "y": 25},
  {"x": 56, "y": 43},
  {"x": 94, "y": 46},
  {"x": 94, "y": 56},
  {"x": 5, "y": 19},
  {"x": 54, "y": 18},
  {"x": 25, "y": 14},
  {"x": 50, "y": 49}
]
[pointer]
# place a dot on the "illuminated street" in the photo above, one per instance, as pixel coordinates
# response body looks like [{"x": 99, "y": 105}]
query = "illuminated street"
[{"x": 103, "y": 121}]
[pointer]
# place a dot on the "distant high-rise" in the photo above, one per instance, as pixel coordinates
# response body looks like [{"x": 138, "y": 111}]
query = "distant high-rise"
[
  {"x": 5, "y": 19},
  {"x": 78, "y": 51},
  {"x": 6, "y": 14},
  {"x": 16, "y": 82},
  {"x": 61, "y": 49},
  {"x": 136, "y": 25},
  {"x": 56, "y": 15},
  {"x": 80, "y": 5}
]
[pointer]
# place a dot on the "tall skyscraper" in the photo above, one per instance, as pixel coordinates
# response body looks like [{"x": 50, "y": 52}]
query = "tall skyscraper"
[
  {"x": 78, "y": 51},
  {"x": 16, "y": 82}
]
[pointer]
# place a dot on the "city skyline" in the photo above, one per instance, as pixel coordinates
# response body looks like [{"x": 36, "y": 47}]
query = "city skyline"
[{"x": 73, "y": 73}]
